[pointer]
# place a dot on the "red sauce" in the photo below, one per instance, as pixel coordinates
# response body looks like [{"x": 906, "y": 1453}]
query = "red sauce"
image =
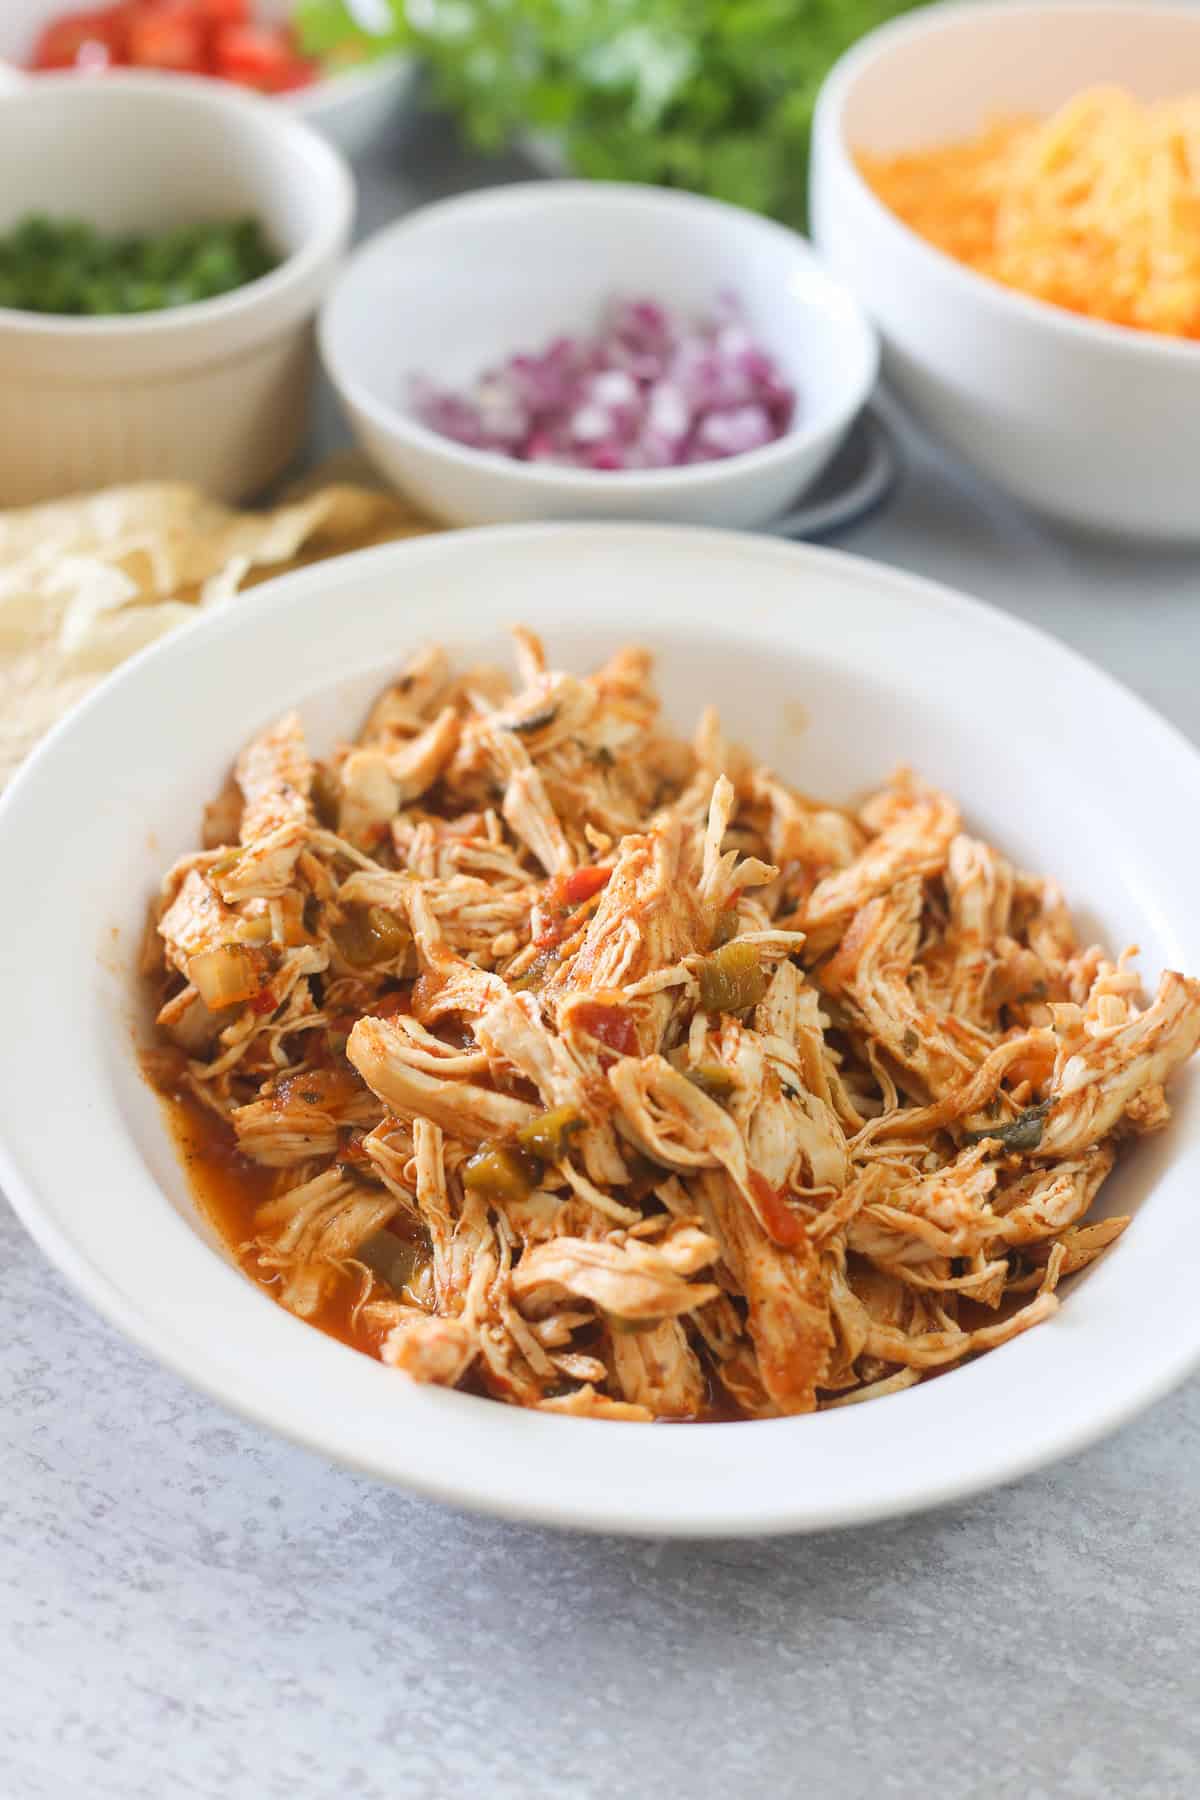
[
  {"x": 560, "y": 929},
  {"x": 390, "y": 1005},
  {"x": 229, "y": 1189}
]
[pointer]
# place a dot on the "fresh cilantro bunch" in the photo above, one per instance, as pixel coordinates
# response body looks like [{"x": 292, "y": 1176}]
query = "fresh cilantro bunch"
[{"x": 713, "y": 95}]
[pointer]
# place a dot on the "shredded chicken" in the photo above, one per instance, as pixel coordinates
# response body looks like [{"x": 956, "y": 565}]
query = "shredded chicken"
[{"x": 607, "y": 1074}]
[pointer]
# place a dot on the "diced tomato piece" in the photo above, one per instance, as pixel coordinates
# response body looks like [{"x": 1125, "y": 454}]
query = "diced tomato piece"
[
  {"x": 222, "y": 12},
  {"x": 567, "y": 896},
  {"x": 779, "y": 1222},
  {"x": 263, "y": 1002},
  {"x": 262, "y": 57},
  {"x": 584, "y": 883},
  {"x": 168, "y": 37},
  {"x": 611, "y": 1026},
  {"x": 82, "y": 40}
]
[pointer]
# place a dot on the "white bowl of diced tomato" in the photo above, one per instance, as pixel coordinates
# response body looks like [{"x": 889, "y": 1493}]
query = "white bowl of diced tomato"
[{"x": 348, "y": 86}]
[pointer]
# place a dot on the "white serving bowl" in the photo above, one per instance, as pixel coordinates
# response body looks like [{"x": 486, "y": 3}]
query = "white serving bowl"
[
  {"x": 1094, "y": 424},
  {"x": 351, "y": 108},
  {"x": 888, "y": 669},
  {"x": 462, "y": 285},
  {"x": 216, "y": 392}
]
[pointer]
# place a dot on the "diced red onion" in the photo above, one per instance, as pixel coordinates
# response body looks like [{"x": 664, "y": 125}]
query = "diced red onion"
[{"x": 648, "y": 392}]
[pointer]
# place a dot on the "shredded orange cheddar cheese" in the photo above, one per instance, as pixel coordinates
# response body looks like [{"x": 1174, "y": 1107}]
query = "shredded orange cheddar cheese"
[{"x": 1096, "y": 209}]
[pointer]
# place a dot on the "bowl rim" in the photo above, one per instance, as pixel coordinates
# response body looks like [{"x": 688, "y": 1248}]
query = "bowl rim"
[
  {"x": 574, "y": 196},
  {"x": 489, "y": 1428},
  {"x": 829, "y": 132},
  {"x": 299, "y": 139}
]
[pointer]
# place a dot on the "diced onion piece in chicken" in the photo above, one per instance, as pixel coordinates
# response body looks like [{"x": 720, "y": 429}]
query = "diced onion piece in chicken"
[{"x": 227, "y": 976}]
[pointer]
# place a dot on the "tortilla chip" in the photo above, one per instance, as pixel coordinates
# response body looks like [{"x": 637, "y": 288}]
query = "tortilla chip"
[{"x": 86, "y": 582}]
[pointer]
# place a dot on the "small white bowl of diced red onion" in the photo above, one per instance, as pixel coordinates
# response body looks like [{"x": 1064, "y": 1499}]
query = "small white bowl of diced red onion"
[
  {"x": 319, "y": 59},
  {"x": 595, "y": 349}
]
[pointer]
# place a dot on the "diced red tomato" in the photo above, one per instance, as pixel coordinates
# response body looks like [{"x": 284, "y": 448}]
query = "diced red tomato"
[
  {"x": 779, "y": 1222},
  {"x": 611, "y": 1026},
  {"x": 568, "y": 895},
  {"x": 262, "y": 57},
  {"x": 584, "y": 883},
  {"x": 168, "y": 37},
  {"x": 82, "y": 38},
  {"x": 223, "y": 12},
  {"x": 194, "y": 37},
  {"x": 264, "y": 1002}
]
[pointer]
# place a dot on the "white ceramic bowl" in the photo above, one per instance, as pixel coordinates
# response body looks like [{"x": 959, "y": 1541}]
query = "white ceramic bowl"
[
  {"x": 350, "y": 109},
  {"x": 888, "y": 669},
  {"x": 1094, "y": 424},
  {"x": 216, "y": 392},
  {"x": 461, "y": 285}
]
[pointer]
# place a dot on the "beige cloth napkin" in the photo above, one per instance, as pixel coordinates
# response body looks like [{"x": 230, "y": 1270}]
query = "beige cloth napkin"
[{"x": 85, "y": 582}]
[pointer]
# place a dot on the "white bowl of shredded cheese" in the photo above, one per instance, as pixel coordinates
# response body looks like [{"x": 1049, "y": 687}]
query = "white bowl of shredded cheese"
[{"x": 1095, "y": 424}]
